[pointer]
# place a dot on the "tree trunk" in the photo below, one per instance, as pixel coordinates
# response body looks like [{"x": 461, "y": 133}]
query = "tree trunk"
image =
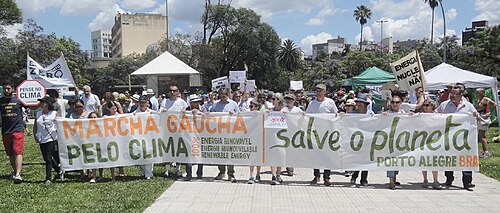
[
  {"x": 432, "y": 27},
  {"x": 444, "y": 33},
  {"x": 361, "y": 39}
]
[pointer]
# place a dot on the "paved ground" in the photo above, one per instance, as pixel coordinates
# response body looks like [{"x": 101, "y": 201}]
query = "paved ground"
[{"x": 297, "y": 195}]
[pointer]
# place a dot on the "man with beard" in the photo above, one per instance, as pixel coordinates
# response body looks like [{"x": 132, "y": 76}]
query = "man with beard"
[{"x": 12, "y": 130}]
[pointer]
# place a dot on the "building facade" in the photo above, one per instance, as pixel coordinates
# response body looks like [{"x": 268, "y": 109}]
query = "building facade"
[
  {"x": 133, "y": 33},
  {"x": 470, "y": 32},
  {"x": 331, "y": 45},
  {"x": 101, "y": 44}
]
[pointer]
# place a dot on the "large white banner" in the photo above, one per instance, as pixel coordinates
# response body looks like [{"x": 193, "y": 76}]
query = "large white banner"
[
  {"x": 346, "y": 142},
  {"x": 409, "y": 72},
  {"x": 56, "y": 75}
]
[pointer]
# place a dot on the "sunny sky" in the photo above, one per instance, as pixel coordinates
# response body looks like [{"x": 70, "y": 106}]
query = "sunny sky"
[{"x": 304, "y": 21}]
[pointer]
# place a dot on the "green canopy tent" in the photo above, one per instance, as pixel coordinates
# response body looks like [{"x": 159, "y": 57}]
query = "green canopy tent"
[{"x": 373, "y": 77}]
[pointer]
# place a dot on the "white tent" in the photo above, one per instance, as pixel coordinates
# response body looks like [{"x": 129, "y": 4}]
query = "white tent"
[
  {"x": 444, "y": 74},
  {"x": 165, "y": 64}
]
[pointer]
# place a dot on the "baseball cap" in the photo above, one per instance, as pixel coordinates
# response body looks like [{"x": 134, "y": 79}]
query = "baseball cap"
[{"x": 320, "y": 86}]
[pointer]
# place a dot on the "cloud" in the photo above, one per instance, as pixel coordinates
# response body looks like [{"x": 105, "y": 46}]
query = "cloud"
[
  {"x": 367, "y": 35},
  {"x": 138, "y": 5},
  {"x": 269, "y": 8},
  {"x": 319, "y": 19},
  {"x": 412, "y": 19},
  {"x": 488, "y": 10},
  {"x": 307, "y": 42},
  {"x": 32, "y": 7},
  {"x": 105, "y": 19}
]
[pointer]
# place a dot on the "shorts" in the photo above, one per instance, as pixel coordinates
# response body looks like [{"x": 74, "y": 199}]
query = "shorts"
[{"x": 13, "y": 143}]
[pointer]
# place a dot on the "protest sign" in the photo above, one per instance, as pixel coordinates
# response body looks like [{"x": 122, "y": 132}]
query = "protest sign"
[
  {"x": 56, "y": 75},
  {"x": 237, "y": 76},
  {"x": 275, "y": 120},
  {"x": 220, "y": 83},
  {"x": 296, "y": 85},
  {"x": 250, "y": 86},
  {"x": 409, "y": 72},
  {"x": 347, "y": 142},
  {"x": 29, "y": 91}
]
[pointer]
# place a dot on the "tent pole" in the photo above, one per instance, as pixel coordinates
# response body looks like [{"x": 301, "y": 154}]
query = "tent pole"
[{"x": 129, "y": 84}]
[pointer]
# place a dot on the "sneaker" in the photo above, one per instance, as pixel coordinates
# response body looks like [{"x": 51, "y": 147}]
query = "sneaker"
[
  {"x": 486, "y": 154},
  {"x": 449, "y": 181},
  {"x": 436, "y": 185},
  {"x": 257, "y": 179},
  {"x": 425, "y": 184},
  {"x": 199, "y": 177},
  {"x": 187, "y": 178},
  {"x": 250, "y": 180},
  {"x": 47, "y": 182},
  {"x": 326, "y": 182},
  {"x": 13, "y": 175},
  {"x": 273, "y": 181},
  {"x": 18, "y": 179},
  {"x": 220, "y": 177},
  {"x": 232, "y": 179},
  {"x": 92, "y": 180},
  {"x": 364, "y": 183},
  {"x": 315, "y": 181},
  {"x": 469, "y": 186},
  {"x": 279, "y": 179}
]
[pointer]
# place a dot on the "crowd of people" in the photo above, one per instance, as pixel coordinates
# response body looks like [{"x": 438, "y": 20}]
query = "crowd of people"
[{"x": 89, "y": 106}]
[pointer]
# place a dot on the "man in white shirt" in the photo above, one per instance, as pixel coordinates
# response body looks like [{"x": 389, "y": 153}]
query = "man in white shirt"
[
  {"x": 176, "y": 104},
  {"x": 91, "y": 101},
  {"x": 321, "y": 104},
  {"x": 152, "y": 99},
  {"x": 290, "y": 104},
  {"x": 59, "y": 104}
]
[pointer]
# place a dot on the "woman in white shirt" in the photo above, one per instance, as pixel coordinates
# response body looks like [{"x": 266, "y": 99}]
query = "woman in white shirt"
[{"x": 45, "y": 133}]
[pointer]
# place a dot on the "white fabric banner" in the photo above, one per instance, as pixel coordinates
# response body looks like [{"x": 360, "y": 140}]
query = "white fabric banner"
[
  {"x": 346, "y": 142},
  {"x": 56, "y": 75},
  {"x": 409, "y": 72}
]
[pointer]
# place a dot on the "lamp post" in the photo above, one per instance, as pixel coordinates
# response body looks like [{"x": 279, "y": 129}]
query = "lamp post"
[
  {"x": 381, "y": 28},
  {"x": 445, "y": 44}
]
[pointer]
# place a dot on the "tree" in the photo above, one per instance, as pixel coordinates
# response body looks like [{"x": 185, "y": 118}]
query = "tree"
[
  {"x": 432, "y": 4},
  {"x": 9, "y": 14},
  {"x": 289, "y": 55},
  {"x": 362, "y": 14}
]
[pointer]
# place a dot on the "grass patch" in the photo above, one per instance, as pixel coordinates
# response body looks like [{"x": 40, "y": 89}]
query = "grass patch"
[
  {"x": 491, "y": 166},
  {"x": 130, "y": 194}
]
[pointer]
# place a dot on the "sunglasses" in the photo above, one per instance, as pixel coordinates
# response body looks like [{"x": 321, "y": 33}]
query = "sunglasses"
[
  {"x": 426, "y": 105},
  {"x": 395, "y": 102},
  {"x": 174, "y": 90}
]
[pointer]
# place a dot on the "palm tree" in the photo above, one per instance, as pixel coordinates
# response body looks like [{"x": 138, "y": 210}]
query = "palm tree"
[
  {"x": 362, "y": 14},
  {"x": 289, "y": 55},
  {"x": 433, "y": 4}
]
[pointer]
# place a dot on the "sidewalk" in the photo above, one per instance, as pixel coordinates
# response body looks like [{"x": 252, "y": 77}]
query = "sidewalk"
[{"x": 297, "y": 195}]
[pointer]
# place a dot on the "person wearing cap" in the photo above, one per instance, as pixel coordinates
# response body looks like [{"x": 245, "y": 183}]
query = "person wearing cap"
[
  {"x": 13, "y": 127},
  {"x": 135, "y": 102},
  {"x": 362, "y": 103},
  {"x": 321, "y": 104},
  {"x": 196, "y": 107},
  {"x": 225, "y": 104},
  {"x": 350, "y": 106},
  {"x": 176, "y": 104},
  {"x": 458, "y": 104},
  {"x": 290, "y": 104},
  {"x": 146, "y": 169},
  {"x": 45, "y": 133},
  {"x": 152, "y": 99}
]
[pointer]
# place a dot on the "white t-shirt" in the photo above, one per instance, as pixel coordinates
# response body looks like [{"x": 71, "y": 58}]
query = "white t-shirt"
[
  {"x": 176, "y": 105},
  {"x": 63, "y": 105},
  {"x": 326, "y": 106},
  {"x": 138, "y": 110},
  {"x": 46, "y": 127},
  {"x": 92, "y": 103},
  {"x": 294, "y": 109}
]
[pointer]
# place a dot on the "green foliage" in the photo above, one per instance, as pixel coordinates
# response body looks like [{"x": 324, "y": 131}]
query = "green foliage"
[
  {"x": 289, "y": 55},
  {"x": 132, "y": 194},
  {"x": 491, "y": 166},
  {"x": 43, "y": 48},
  {"x": 362, "y": 14},
  {"x": 9, "y": 14},
  {"x": 117, "y": 73}
]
